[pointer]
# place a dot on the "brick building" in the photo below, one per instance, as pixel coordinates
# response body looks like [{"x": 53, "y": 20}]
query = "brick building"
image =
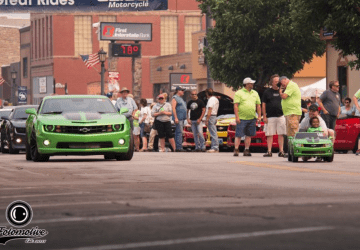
[
  {"x": 57, "y": 40},
  {"x": 9, "y": 51}
]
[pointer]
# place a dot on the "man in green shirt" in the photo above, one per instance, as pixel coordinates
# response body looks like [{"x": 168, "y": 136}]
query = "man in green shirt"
[
  {"x": 291, "y": 104},
  {"x": 246, "y": 102},
  {"x": 356, "y": 99}
]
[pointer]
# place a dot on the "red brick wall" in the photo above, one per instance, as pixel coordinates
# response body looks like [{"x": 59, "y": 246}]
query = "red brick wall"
[{"x": 9, "y": 45}]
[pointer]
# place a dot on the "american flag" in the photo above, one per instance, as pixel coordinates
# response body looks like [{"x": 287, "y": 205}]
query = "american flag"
[
  {"x": 1, "y": 80},
  {"x": 90, "y": 60}
]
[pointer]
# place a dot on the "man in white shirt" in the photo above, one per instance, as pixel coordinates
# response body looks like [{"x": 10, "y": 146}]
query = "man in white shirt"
[{"x": 212, "y": 107}]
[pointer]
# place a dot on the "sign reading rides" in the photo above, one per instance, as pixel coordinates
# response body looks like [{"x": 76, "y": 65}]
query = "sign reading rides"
[{"x": 82, "y": 5}]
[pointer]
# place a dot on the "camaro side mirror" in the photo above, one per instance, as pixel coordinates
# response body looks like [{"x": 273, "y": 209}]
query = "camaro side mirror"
[
  {"x": 31, "y": 111},
  {"x": 124, "y": 110},
  {"x": 4, "y": 118}
]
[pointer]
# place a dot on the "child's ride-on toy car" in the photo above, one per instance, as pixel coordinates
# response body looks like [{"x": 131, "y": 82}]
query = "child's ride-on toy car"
[{"x": 310, "y": 145}]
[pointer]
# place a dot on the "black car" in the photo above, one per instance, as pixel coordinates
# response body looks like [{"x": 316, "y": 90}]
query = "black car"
[
  {"x": 4, "y": 112},
  {"x": 13, "y": 129}
]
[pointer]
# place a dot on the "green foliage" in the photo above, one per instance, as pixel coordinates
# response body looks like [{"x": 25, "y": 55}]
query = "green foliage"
[
  {"x": 343, "y": 17},
  {"x": 256, "y": 38}
]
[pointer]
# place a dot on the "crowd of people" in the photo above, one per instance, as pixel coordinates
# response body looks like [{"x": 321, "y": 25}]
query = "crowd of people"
[{"x": 282, "y": 110}]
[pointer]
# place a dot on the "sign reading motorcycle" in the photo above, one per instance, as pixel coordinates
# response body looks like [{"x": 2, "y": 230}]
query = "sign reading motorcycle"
[
  {"x": 22, "y": 94},
  {"x": 183, "y": 80},
  {"x": 82, "y": 5},
  {"x": 125, "y": 31}
]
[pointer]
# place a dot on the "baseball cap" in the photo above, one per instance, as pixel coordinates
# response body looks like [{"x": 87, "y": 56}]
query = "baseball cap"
[
  {"x": 160, "y": 96},
  {"x": 109, "y": 94},
  {"x": 313, "y": 107},
  {"x": 248, "y": 80},
  {"x": 180, "y": 88}
]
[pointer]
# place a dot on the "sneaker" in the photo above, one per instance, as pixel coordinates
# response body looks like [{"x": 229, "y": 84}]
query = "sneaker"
[
  {"x": 268, "y": 154},
  {"x": 318, "y": 159},
  {"x": 357, "y": 152},
  {"x": 180, "y": 150},
  {"x": 213, "y": 151},
  {"x": 282, "y": 154},
  {"x": 236, "y": 152},
  {"x": 247, "y": 152}
]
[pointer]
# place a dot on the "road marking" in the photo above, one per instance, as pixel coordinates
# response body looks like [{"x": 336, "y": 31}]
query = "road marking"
[
  {"x": 42, "y": 195},
  {"x": 298, "y": 169},
  {"x": 97, "y": 218},
  {"x": 206, "y": 238}
]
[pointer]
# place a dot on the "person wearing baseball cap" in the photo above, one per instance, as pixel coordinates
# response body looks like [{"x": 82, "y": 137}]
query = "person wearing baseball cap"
[
  {"x": 246, "y": 105},
  {"x": 127, "y": 102},
  {"x": 179, "y": 116}
]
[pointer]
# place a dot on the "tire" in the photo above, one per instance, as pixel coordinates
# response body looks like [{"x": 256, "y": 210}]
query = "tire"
[
  {"x": 129, "y": 155},
  {"x": 329, "y": 159},
  {"x": 295, "y": 159},
  {"x": 286, "y": 144},
  {"x": 11, "y": 149},
  {"x": 35, "y": 155},
  {"x": 3, "y": 150},
  {"x": 354, "y": 150},
  {"x": 27, "y": 148},
  {"x": 289, "y": 153}
]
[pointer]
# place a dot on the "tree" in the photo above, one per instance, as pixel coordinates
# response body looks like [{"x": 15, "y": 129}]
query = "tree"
[
  {"x": 342, "y": 17},
  {"x": 256, "y": 38}
]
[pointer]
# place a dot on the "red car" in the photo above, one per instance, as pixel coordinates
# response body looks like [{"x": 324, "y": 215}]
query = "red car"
[
  {"x": 188, "y": 136},
  {"x": 347, "y": 134},
  {"x": 258, "y": 141}
]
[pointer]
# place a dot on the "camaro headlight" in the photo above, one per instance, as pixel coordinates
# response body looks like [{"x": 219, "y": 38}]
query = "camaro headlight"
[
  {"x": 328, "y": 145},
  {"x": 49, "y": 128},
  {"x": 298, "y": 145},
  {"x": 116, "y": 127}
]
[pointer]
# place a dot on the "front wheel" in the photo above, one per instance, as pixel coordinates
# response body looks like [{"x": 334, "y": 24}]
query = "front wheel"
[
  {"x": 129, "y": 155},
  {"x": 330, "y": 158},
  {"x": 27, "y": 148},
  {"x": 35, "y": 155},
  {"x": 3, "y": 150}
]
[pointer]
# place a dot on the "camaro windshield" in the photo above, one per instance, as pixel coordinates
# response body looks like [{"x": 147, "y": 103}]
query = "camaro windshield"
[
  {"x": 319, "y": 135},
  {"x": 58, "y": 106}
]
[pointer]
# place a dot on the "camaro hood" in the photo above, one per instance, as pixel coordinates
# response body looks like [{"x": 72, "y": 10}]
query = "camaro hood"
[
  {"x": 82, "y": 118},
  {"x": 225, "y": 121},
  {"x": 19, "y": 123}
]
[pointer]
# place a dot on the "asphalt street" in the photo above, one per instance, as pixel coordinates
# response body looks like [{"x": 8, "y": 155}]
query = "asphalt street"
[{"x": 186, "y": 201}]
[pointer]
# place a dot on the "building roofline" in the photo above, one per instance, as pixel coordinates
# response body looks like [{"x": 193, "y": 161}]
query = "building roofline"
[
  {"x": 27, "y": 28},
  {"x": 13, "y": 27}
]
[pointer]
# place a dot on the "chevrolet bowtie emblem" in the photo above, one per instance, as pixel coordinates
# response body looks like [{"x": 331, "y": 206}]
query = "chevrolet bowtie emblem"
[{"x": 85, "y": 130}]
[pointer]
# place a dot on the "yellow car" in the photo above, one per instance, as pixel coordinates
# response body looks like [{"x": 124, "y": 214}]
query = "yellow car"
[{"x": 222, "y": 125}]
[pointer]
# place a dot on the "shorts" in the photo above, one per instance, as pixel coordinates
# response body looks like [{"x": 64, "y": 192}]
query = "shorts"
[
  {"x": 246, "y": 127},
  {"x": 142, "y": 132},
  {"x": 164, "y": 129},
  {"x": 292, "y": 124},
  {"x": 136, "y": 131},
  {"x": 275, "y": 126}
]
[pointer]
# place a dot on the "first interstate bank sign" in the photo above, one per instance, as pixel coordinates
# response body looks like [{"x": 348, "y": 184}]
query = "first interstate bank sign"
[{"x": 81, "y": 5}]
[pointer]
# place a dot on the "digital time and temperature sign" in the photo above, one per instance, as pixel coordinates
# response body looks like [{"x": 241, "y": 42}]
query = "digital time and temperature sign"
[{"x": 126, "y": 50}]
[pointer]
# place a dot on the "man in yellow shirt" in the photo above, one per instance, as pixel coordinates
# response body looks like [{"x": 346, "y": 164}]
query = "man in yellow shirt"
[
  {"x": 246, "y": 102},
  {"x": 291, "y": 104}
]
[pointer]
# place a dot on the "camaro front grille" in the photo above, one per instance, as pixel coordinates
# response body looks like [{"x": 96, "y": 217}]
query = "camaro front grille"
[
  {"x": 314, "y": 145},
  {"x": 86, "y": 129},
  {"x": 20, "y": 130},
  {"x": 314, "y": 152},
  {"x": 84, "y": 145}
]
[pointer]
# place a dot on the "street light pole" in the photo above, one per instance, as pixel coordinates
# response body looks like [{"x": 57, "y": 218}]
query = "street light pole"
[
  {"x": 13, "y": 76},
  {"x": 102, "y": 58}
]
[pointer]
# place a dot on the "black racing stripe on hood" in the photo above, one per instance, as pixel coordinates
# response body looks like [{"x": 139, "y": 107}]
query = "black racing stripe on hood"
[
  {"x": 93, "y": 116},
  {"x": 72, "y": 116}
]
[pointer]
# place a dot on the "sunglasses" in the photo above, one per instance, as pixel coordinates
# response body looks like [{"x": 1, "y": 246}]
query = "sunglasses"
[
  {"x": 336, "y": 86},
  {"x": 193, "y": 94},
  {"x": 161, "y": 98},
  {"x": 347, "y": 102}
]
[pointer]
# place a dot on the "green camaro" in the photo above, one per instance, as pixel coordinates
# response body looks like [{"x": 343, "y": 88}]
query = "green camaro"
[
  {"x": 309, "y": 145},
  {"x": 78, "y": 125}
]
